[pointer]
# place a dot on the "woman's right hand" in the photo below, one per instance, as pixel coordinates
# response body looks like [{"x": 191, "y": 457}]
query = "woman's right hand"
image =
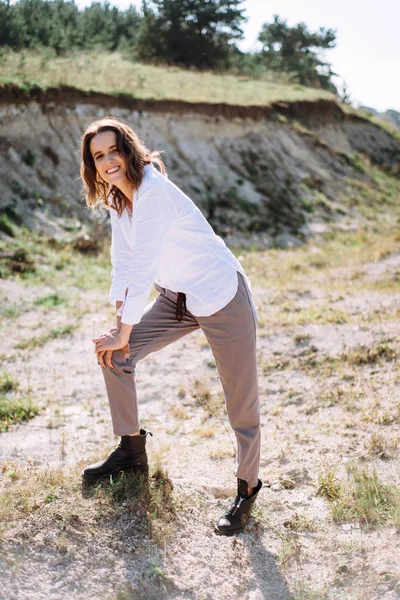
[{"x": 105, "y": 358}]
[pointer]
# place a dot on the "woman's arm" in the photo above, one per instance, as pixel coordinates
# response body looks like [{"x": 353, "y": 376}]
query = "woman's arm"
[
  {"x": 118, "y": 305},
  {"x": 121, "y": 256},
  {"x": 117, "y": 338},
  {"x": 153, "y": 214}
]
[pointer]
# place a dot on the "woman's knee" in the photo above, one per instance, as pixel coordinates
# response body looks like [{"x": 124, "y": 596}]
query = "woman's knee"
[{"x": 121, "y": 364}]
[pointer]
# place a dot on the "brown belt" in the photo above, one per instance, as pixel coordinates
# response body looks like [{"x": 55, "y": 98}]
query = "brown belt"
[{"x": 180, "y": 305}]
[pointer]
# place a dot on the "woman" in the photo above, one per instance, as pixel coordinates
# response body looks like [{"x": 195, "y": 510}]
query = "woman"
[{"x": 159, "y": 236}]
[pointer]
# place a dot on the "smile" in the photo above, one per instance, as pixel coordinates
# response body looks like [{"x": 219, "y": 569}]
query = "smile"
[{"x": 113, "y": 170}]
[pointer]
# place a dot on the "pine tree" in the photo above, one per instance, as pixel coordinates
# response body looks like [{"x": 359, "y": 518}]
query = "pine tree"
[
  {"x": 297, "y": 50},
  {"x": 198, "y": 33}
]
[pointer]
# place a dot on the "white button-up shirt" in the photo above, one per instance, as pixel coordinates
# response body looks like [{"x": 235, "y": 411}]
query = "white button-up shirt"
[{"x": 167, "y": 240}]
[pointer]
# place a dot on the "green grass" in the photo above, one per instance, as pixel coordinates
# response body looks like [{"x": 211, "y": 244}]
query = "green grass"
[
  {"x": 294, "y": 269},
  {"x": 15, "y": 410},
  {"x": 30, "y": 490},
  {"x": 376, "y": 120},
  {"x": 112, "y": 74},
  {"x": 328, "y": 483},
  {"x": 9, "y": 312},
  {"x": 6, "y": 226},
  {"x": 58, "y": 266},
  {"x": 150, "y": 495},
  {"x": 293, "y": 315},
  {"x": 50, "y": 300},
  {"x": 364, "y": 498},
  {"x": 320, "y": 364},
  {"x": 299, "y": 522},
  {"x": 383, "y": 351},
  {"x": 7, "y": 383},
  {"x": 41, "y": 340}
]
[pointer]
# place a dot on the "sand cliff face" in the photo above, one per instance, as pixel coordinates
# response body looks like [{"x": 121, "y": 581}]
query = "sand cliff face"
[{"x": 249, "y": 169}]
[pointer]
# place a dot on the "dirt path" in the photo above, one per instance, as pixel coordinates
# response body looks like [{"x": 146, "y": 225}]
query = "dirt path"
[{"x": 322, "y": 409}]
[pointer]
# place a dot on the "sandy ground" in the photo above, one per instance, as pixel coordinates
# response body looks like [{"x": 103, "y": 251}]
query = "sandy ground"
[{"x": 314, "y": 416}]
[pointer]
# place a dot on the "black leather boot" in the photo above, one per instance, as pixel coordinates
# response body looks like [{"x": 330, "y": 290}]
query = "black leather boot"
[
  {"x": 129, "y": 456},
  {"x": 235, "y": 519}
]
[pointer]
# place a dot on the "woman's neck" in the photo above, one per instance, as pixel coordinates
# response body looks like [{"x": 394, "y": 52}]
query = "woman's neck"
[{"x": 127, "y": 188}]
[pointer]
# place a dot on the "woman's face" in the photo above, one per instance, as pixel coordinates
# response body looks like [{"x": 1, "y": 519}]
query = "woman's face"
[{"x": 109, "y": 163}]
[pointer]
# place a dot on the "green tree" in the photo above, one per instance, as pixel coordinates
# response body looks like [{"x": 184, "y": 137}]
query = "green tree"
[
  {"x": 60, "y": 25},
  {"x": 297, "y": 50},
  {"x": 66, "y": 31},
  {"x": 106, "y": 26},
  {"x": 12, "y": 32},
  {"x": 199, "y": 33},
  {"x": 49, "y": 24}
]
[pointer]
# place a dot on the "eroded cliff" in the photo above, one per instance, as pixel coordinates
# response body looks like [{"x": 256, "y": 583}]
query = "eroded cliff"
[{"x": 251, "y": 170}]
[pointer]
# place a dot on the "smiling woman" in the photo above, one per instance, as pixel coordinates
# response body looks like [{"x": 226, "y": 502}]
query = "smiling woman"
[
  {"x": 110, "y": 164},
  {"x": 106, "y": 146},
  {"x": 160, "y": 237}
]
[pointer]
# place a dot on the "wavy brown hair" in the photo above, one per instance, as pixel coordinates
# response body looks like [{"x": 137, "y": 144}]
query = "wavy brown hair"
[{"x": 133, "y": 151}]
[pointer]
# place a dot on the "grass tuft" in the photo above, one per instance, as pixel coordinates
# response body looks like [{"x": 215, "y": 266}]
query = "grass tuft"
[
  {"x": 291, "y": 549},
  {"x": 383, "y": 351},
  {"x": 377, "y": 446},
  {"x": 6, "y": 226},
  {"x": 7, "y": 383},
  {"x": 15, "y": 410},
  {"x": 364, "y": 498},
  {"x": 178, "y": 411},
  {"x": 30, "y": 490},
  {"x": 328, "y": 483},
  {"x": 150, "y": 495},
  {"x": 50, "y": 300},
  {"x": 299, "y": 522}
]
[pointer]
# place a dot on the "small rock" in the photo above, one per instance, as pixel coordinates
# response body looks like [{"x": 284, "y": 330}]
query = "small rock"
[{"x": 343, "y": 569}]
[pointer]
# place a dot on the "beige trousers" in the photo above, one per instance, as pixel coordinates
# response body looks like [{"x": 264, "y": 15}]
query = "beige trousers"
[{"x": 231, "y": 333}]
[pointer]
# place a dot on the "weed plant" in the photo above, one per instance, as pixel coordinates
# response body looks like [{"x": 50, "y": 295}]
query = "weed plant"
[
  {"x": 329, "y": 484},
  {"x": 362, "y": 498},
  {"x": 7, "y": 383},
  {"x": 383, "y": 351},
  {"x": 15, "y": 410}
]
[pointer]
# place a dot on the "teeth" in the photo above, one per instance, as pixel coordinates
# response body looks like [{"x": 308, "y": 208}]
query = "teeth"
[{"x": 112, "y": 170}]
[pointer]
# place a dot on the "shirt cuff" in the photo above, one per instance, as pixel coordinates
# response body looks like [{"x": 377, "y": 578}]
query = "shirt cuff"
[
  {"x": 117, "y": 295},
  {"x": 131, "y": 315}
]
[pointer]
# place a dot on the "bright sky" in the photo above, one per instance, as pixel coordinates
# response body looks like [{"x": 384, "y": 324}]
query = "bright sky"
[{"x": 367, "y": 54}]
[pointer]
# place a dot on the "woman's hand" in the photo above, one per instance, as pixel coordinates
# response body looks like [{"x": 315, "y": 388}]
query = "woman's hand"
[{"x": 107, "y": 343}]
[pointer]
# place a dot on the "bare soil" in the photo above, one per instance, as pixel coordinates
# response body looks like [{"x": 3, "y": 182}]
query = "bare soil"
[{"x": 322, "y": 408}]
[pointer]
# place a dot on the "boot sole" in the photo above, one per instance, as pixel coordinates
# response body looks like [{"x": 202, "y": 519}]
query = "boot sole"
[
  {"x": 227, "y": 532},
  {"x": 142, "y": 470}
]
